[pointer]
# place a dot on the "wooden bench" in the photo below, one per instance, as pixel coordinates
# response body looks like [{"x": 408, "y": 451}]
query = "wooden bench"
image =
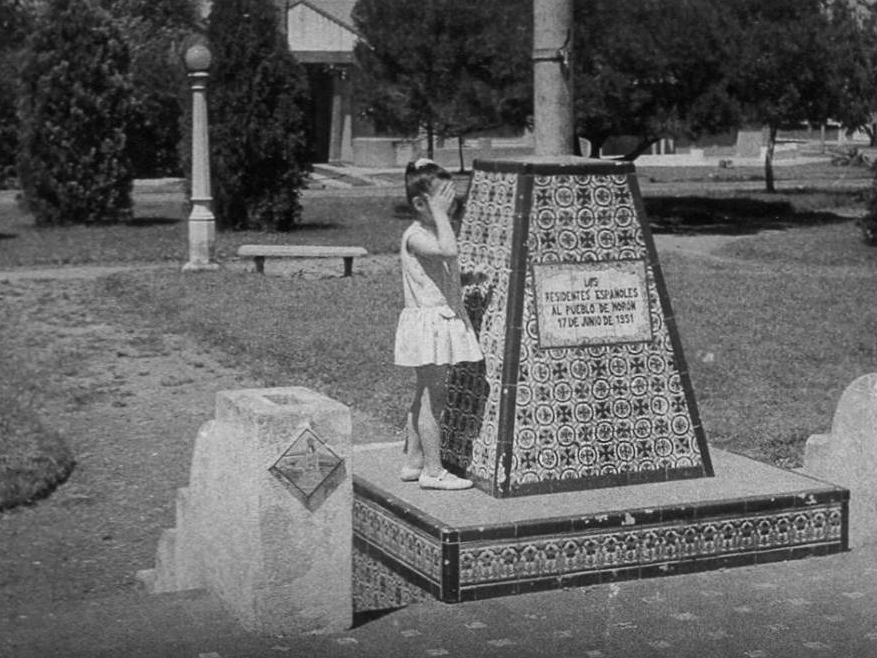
[{"x": 258, "y": 252}]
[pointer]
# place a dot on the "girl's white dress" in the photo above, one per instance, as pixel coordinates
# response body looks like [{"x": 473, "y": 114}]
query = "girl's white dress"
[{"x": 434, "y": 327}]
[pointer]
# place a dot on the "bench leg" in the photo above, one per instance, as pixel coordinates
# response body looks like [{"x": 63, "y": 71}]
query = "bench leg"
[
  {"x": 260, "y": 264},
  {"x": 348, "y": 266}
]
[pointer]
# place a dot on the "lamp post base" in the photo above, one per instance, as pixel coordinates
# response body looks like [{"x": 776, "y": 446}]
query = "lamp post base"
[
  {"x": 202, "y": 237},
  {"x": 196, "y": 266}
]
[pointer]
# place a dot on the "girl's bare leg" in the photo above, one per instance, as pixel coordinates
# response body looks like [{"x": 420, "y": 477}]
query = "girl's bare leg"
[
  {"x": 432, "y": 383},
  {"x": 413, "y": 448}
]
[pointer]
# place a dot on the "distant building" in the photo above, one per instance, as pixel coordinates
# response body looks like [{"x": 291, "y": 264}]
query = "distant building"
[{"x": 321, "y": 35}]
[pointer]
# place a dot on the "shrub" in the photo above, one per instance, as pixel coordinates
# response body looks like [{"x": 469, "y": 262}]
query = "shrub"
[
  {"x": 74, "y": 108},
  {"x": 257, "y": 98},
  {"x": 868, "y": 223},
  {"x": 34, "y": 459}
]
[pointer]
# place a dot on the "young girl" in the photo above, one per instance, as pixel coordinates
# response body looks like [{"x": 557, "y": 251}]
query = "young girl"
[{"x": 434, "y": 330}]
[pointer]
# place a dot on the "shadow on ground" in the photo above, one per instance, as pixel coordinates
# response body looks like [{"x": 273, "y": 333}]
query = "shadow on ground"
[
  {"x": 152, "y": 221},
  {"x": 730, "y": 216}
]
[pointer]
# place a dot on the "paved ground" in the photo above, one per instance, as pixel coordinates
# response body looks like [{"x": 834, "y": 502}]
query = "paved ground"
[
  {"x": 816, "y": 607},
  {"x": 820, "y": 607}
]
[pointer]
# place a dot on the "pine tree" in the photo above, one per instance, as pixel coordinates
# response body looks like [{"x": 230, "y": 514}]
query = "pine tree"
[
  {"x": 74, "y": 106},
  {"x": 257, "y": 95}
]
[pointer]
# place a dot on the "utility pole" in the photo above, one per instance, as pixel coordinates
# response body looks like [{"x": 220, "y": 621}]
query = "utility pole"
[{"x": 552, "y": 77}]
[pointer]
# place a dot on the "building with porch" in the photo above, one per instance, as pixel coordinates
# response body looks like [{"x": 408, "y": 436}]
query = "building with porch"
[{"x": 321, "y": 35}]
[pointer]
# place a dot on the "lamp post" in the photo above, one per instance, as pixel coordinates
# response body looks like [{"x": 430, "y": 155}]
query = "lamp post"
[{"x": 202, "y": 224}]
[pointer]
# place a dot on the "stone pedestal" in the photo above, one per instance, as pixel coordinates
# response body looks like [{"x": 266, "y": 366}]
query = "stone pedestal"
[
  {"x": 583, "y": 388},
  {"x": 265, "y": 523},
  {"x": 848, "y": 456},
  {"x": 411, "y": 545}
]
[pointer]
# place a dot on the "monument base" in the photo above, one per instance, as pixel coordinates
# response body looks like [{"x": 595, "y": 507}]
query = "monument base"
[{"x": 411, "y": 545}]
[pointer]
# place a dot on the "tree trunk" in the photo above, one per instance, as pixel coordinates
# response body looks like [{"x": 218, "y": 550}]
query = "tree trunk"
[
  {"x": 768, "y": 159},
  {"x": 460, "y": 152},
  {"x": 596, "y": 146},
  {"x": 430, "y": 141},
  {"x": 641, "y": 148}
]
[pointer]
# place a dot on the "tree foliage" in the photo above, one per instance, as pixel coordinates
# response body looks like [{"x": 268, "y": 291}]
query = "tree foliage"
[
  {"x": 257, "y": 99},
  {"x": 156, "y": 32},
  {"x": 651, "y": 69},
  {"x": 15, "y": 23},
  {"x": 450, "y": 68},
  {"x": 868, "y": 222},
  {"x": 73, "y": 111},
  {"x": 786, "y": 68},
  {"x": 853, "y": 37}
]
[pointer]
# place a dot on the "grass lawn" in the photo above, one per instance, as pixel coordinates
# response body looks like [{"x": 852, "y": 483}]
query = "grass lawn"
[
  {"x": 774, "y": 328},
  {"x": 770, "y": 347},
  {"x": 772, "y": 344},
  {"x": 814, "y": 173},
  {"x": 158, "y": 231},
  {"x": 834, "y": 245}
]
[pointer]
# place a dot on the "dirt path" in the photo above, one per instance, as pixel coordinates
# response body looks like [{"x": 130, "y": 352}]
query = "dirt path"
[{"x": 129, "y": 400}]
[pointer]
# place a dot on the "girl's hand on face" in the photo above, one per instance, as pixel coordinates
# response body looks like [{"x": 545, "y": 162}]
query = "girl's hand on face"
[{"x": 440, "y": 201}]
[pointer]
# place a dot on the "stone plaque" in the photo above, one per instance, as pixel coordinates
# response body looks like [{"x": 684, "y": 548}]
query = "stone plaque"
[
  {"x": 601, "y": 303},
  {"x": 309, "y": 468}
]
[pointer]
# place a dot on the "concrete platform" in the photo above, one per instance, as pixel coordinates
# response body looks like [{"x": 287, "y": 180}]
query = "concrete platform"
[{"x": 413, "y": 545}]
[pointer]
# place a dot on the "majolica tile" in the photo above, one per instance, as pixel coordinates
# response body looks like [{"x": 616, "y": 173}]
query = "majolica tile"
[
  {"x": 583, "y": 383},
  {"x": 398, "y": 558},
  {"x": 398, "y": 539}
]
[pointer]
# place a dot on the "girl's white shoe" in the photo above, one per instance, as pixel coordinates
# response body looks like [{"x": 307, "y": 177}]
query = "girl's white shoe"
[
  {"x": 409, "y": 473},
  {"x": 443, "y": 480}
]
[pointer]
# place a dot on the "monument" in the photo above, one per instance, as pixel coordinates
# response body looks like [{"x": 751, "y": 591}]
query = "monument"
[
  {"x": 265, "y": 521},
  {"x": 584, "y": 383},
  {"x": 580, "y": 427},
  {"x": 848, "y": 456}
]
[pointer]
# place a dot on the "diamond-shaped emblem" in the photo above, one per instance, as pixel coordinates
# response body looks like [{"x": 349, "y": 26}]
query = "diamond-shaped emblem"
[{"x": 309, "y": 469}]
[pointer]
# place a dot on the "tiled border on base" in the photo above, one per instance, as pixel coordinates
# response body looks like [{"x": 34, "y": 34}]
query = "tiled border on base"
[{"x": 399, "y": 558}]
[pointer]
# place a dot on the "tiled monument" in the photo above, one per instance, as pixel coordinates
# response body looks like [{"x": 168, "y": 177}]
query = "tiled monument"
[
  {"x": 580, "y": 427},
  {"x": 583, "y": 383}
]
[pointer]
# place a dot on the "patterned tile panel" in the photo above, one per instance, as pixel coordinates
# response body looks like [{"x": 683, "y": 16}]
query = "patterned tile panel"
[
  {"x": 375, "y": 587},
  {"x": 597, "y": 410},
  {"x": 471, "y": 420},
  {"x": 411, "y": 547},
  {"x": 487, "y": 562}
]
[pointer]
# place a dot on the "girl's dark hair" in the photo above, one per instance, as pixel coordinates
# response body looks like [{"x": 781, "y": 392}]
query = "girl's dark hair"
[{"x": 419, "y": 176}]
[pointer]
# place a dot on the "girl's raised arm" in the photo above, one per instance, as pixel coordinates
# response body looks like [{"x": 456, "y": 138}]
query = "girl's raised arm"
[{"x": 444, "y": 243}]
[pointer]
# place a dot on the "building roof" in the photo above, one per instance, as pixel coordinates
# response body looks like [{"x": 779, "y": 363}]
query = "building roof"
[{"x": 338, "y": 11}]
